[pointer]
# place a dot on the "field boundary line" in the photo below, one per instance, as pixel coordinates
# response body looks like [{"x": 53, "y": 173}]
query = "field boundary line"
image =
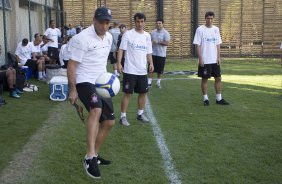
[
  {"x": 171, "y": 173},
  {"x": 22, "y": 161}
]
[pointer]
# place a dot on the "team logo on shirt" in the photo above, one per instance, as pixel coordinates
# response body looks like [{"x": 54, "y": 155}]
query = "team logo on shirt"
[{"x": 94, "y": 98}]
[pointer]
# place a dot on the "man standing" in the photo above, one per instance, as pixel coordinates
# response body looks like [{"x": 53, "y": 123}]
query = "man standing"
[
  {"x": 138, "y": 46},
  {"x": 112, "y": 56},
  {"x": 160, "y": 40},
  {"x": 53, "y": 34},
  {"x": 207, "y": 40},
  {"x": 89, "y": 52}
]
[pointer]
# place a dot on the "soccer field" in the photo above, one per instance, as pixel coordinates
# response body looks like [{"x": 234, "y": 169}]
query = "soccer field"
[{"x": 44, "y": 142}]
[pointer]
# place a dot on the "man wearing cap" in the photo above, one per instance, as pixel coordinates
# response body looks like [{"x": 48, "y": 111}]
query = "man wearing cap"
[{"x": 89, "y": 52}]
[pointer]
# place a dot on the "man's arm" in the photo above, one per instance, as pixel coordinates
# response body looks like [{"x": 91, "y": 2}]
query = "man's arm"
[
  {"x": 164, "y": 43},
  {"x": 218, "y": 54},
  {"x": 150, "y": 62},
  {"x": 201, "y": 62},
  {"x": 72, "y": 81},
  {"x": 119, "y": 57}
]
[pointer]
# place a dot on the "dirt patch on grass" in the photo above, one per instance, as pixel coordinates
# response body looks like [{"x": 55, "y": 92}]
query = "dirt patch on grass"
[{"x": 22, "y": 162}]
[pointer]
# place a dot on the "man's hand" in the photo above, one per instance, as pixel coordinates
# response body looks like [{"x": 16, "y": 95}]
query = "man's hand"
[
  {"x": 73, "y": 96},
  {"x": 218, "y": 61},
  {"x": 201, "y": 62},
  {"x": 151, "y": 67},
  {"x": 119, "y": 67}
]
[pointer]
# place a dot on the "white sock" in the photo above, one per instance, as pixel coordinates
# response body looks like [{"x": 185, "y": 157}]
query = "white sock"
[
  {"x": 205, "y": 97},
  {"x": 123, "y": 114},
  {"x": 40, "y": 75},
  {"x": 43, "y": 73},
  {"x": 150, "y": 80},
  {"x": 89, "y": 157},
  {"x": 159, "y": 81},
  {"x": 116, "y": 72},
  {"x": 140, "y": 111},
  {"x": 218, "y": 97}
]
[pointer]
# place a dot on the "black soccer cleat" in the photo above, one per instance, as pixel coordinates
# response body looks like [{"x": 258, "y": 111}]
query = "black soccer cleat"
[
  {"x": 102, "y": 161},
  {"x": 206, "y": 103},
  {"x": 91, "y": 167},
  {"x": 222, "y": 102}
]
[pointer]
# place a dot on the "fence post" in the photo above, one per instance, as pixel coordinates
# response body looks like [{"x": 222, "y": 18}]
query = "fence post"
[
  {"x": 29, "y": 21},
  {"x": 194, "y": 24},
  {"x": 5, "y": 31},
  {"x": 160, "y": 9}
]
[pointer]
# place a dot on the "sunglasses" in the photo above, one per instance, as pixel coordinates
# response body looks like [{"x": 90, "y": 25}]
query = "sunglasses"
[{"x": 79, "y": 111}]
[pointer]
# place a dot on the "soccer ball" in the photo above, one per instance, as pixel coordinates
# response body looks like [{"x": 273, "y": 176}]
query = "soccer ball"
[{"x": 107, "y": 85}]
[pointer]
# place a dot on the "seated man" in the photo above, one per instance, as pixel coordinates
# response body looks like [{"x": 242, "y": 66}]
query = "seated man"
[
  {"x": 64, "y": 55},
  {"x": 9, "y": 82},
  {"x": 23, "y": 52},
  {"x": 44, "y": 49},
  {"x": 37, "y": 55}
]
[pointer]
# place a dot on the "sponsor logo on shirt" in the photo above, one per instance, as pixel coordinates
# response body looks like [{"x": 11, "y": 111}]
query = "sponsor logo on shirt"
[{"x": 136, "y": 46}]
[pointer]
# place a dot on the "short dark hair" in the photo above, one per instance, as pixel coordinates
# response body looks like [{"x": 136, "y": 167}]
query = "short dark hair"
[
  {"x": 51, "y": 21},
  {"x": 161, "y": 20},
  {"x": 139, "y": 16},
  {"x": 209, "y": 13},
  {"x": 24, "y": 41}
]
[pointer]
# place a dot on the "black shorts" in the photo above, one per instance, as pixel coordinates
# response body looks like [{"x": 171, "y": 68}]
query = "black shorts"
[
  {"x": 159, "y": 64},
  {"x": 136, "y": 83},
  {"x": 3, "y": 79},
  {"x": 90, "y": 99},
  {"x": 31, "y": 64},
  {"x": 53, "y": 52},
  {"x": 209, "y": 70},
  {"x": 111, "y": 57}
]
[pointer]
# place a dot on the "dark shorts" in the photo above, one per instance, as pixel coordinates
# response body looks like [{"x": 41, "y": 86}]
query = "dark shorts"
[
  {"x": 53, "y": 53},
  {"x": 209, "y": 70},
  {"x": 136, "y": 83},
  {"x": 159, "y": 64},
  {"x": 3, "y": 79},
  {"x": 90, "y": 99},
  {"x": 31, "y": 64},
  {"x": 111, "y": 57}
]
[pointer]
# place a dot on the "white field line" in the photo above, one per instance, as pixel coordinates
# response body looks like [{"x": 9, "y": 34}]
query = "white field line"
[{"x": 171, "y": 172}]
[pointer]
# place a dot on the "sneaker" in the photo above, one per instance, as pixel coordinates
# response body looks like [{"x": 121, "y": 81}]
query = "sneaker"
[
  {"x": 102, "y": 161},
  {"x": 91, "y": 167},
  {"x": 206, "y": 103},
  {"x": 14, "y": 94},
  {"x": 222, "y": 102},
  {"x": 124, "y": 121},
  {"x": 2, "y": 102},
  {"x": 143, "y": 118},
  {"x": 42, "y": 79},
  {"x": 159, "y": 86},
  {"x": 19, "y": 91}
]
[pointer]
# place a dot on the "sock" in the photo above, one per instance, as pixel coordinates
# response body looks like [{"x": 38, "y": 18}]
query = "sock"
[
  {"x": 116, "y": 73},
  {"x": 150, "y": 80},
  {"x": 89, "y": 157},
  {"x": 205, "y": 97},
  {"x": 159, "y": 81},
  {"x": 39, "y": 75},
  {"x": 140, "y": 112},
  {"x": 43, "y": 73},
  {"x": 123, "y": 114},
  {"x": 218, "y": 97}
]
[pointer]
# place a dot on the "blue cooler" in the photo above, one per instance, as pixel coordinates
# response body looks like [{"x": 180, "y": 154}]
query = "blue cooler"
[{"x": 58, "y": 88}]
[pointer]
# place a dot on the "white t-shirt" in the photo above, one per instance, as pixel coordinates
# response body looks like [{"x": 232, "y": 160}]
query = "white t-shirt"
[
  {"x": 91, "y": 52},
  {"x": 24, "y": 52},
  {"x": 64, "y": 55},
  {"x": 35, "y": 48},
  {"x": 53, "y": 34},
  {"x": 136, "y": 46},
  {"x": 208, "y": 39},
  {"x": 44, "y": 48}
]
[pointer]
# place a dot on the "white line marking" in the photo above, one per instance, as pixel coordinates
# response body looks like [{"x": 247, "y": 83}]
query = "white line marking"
[{"x": 172, "y": 174}]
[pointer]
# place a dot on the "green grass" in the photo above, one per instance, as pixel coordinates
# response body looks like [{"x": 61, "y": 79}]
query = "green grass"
[{"x": 240, "y": 143}]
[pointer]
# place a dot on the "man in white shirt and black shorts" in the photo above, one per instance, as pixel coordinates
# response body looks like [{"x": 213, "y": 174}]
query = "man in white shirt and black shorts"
[
  {"x": 207, "y": 40},
  {"x": 53, "y": 34},
  {"x": 89, "y": 52},
  {"x": 138, "y": 46}
]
